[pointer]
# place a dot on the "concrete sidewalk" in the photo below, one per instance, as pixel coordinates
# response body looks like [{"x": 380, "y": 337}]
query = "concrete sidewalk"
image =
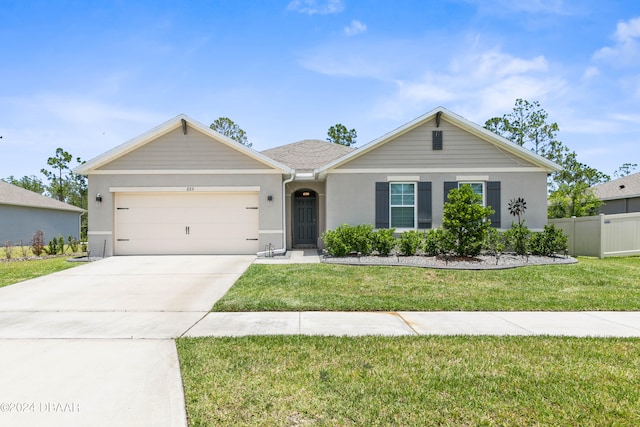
[{"x": 577, "y": 324}]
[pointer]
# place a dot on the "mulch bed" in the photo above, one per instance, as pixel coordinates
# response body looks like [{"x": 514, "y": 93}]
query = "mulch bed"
[{"x": 481, "y": 262}]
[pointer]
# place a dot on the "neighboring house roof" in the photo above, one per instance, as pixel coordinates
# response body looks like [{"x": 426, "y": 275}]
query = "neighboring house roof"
[
  {"x": 462, "y": 123},
  {"x": 166, "y": 127},
  {"x": 18, "y": 196},
  {"x": 309, "y": 154},
  {"x": 621, "y": 188}
]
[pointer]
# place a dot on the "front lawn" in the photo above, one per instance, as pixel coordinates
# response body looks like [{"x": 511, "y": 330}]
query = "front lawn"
[
  {"x": 592, "y": 284},
  {"x": 284, "y": 381},
  {"x": 17, "y": 271}
]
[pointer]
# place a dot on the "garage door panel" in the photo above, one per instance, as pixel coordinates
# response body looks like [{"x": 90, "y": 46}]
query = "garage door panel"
[
  {"x": 151, "y": 231},
  {"x": 186, "y": 223},
  {"x": 189, "y": 200},
  {"x": 182, "y": 216}
]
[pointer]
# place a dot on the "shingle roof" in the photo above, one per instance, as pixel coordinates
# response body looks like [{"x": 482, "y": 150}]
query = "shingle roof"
[
  {"x": 308, "y": 154},
  {"x": 621, "y": 188},
  {"x": 17, "y": 196}
]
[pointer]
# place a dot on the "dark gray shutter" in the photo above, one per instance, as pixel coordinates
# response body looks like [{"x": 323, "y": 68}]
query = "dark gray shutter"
[
  {"x": 424, "y": 205},
  {"x": 382, "y": 205},
  {"x": 448, "y": 186},
  {"x": 493, "y": 200},
  {"x": 436, "y": 139}
]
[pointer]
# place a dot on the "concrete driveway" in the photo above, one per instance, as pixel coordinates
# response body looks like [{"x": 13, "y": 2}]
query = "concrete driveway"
[{"x": 94, "y": 345}]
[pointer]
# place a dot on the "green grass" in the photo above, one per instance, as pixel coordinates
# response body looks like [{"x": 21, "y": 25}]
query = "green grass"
[
  {"x": 17, "y": 271},
  {"x": 329, "y": 381},
  {"x": 592, "y": 284}
]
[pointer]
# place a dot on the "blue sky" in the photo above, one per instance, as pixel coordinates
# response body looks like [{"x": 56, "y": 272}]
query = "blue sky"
[{"x": 90, "y": 75}]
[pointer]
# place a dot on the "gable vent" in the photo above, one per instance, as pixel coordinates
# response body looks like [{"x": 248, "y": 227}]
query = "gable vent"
[{"x": 436, "y": 137}]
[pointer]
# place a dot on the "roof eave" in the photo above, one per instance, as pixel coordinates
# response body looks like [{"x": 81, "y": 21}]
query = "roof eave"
[{"x": 71, "y": 208}]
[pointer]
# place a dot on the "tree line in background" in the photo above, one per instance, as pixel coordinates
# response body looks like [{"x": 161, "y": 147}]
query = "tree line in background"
[
  {"x": 570, "y": 192},
  {"x": 61, "y": 183}
]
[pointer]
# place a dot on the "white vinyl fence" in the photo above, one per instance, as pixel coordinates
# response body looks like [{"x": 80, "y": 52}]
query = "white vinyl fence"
[{"x": 603, "y": 235}]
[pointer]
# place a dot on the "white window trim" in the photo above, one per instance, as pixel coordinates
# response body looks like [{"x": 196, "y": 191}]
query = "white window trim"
[
  {"x": 484, "y": 189},
  {"x": 415, "y": 206}
]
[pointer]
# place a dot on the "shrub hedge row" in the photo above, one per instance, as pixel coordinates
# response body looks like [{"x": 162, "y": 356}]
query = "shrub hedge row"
[{"x": 364, "y": 240}]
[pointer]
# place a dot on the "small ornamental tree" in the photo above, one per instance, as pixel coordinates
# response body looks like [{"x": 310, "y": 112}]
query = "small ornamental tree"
[{"x": 466, "y": 221}]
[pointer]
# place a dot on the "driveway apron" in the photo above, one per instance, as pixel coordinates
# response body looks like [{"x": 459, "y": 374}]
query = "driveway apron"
[{"x": 93, "y": 345}]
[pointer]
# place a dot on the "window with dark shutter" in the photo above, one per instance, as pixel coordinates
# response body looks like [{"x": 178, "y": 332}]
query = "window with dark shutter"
[
  {"x": 424, "y": 205},
  {"x": 493, "y": 200},
  {"x": 436, "y": 137},
  {"x": 448, "y": 186},
  {"x": 382, "y": 205}
]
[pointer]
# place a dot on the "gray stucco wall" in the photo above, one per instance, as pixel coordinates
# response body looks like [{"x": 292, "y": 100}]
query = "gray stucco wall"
[
  {"x": 20, "y": 222},
  {"x": 101, "y": 215},
  {"x": 351, "y": 197}
]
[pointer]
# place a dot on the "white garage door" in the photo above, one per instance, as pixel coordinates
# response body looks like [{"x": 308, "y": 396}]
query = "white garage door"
[{"x": 186, "y": 223}]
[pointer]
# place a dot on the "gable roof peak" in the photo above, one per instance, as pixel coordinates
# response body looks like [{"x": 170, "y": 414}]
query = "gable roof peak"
[
  {"x": 166, "y": 127},
  {"x": 440, "y": 113}
]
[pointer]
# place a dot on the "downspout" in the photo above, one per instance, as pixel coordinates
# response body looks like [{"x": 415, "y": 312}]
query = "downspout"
[{"x": 284, "y": 220}]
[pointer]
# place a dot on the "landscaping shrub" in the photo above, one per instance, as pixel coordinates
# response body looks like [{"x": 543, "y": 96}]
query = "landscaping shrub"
[
  {"x": 37, "y": 243},
  {"x": 549, "y": 242},
  {"x": 409, "y": 242},
  {"x": 495, "y": 242},
  {"x": 7, "y": 249},
  {"x": 383, "y": 241},
  {"x": 362, "y": 239},
  {"x": 334, "y": 244},
  {"x": 347, "y": 238},
  {"x": 60, "y": 244},
  {"x": 435, "y": 242},
  {"x": 52, "y": 248},
  {"x": 518, "y": 237},
  {"x": 73, "y": 245},
  {"x": 466, "y": 220},
  {"x": 23, "y": 249}
]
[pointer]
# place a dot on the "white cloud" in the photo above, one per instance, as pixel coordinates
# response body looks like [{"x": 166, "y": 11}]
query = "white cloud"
[
  {"x": 591, "y": 72},
  {"x": 477, "y": 85},
  {"x": 626, "y": 31},
  {"x": 497, "y": 64},
  {"x": 357, "y": 57},
  {"x": 316, "y": 7},
  {"x": 626, "y": 50},
  {"x": 356, "y": 27}
]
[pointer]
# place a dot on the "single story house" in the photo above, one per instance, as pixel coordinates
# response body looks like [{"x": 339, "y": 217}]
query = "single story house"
[
  {"x": 23, "y": 212},
  {"x": 182, "y": 188},
  {"x": 621, "y": 195}
]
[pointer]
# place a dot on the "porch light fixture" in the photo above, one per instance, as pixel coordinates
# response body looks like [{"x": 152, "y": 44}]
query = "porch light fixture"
[
  {"x": 306, "y": 194},
  {"x": 99, "y": 198},
  {"x": 270, "y": 198}
]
